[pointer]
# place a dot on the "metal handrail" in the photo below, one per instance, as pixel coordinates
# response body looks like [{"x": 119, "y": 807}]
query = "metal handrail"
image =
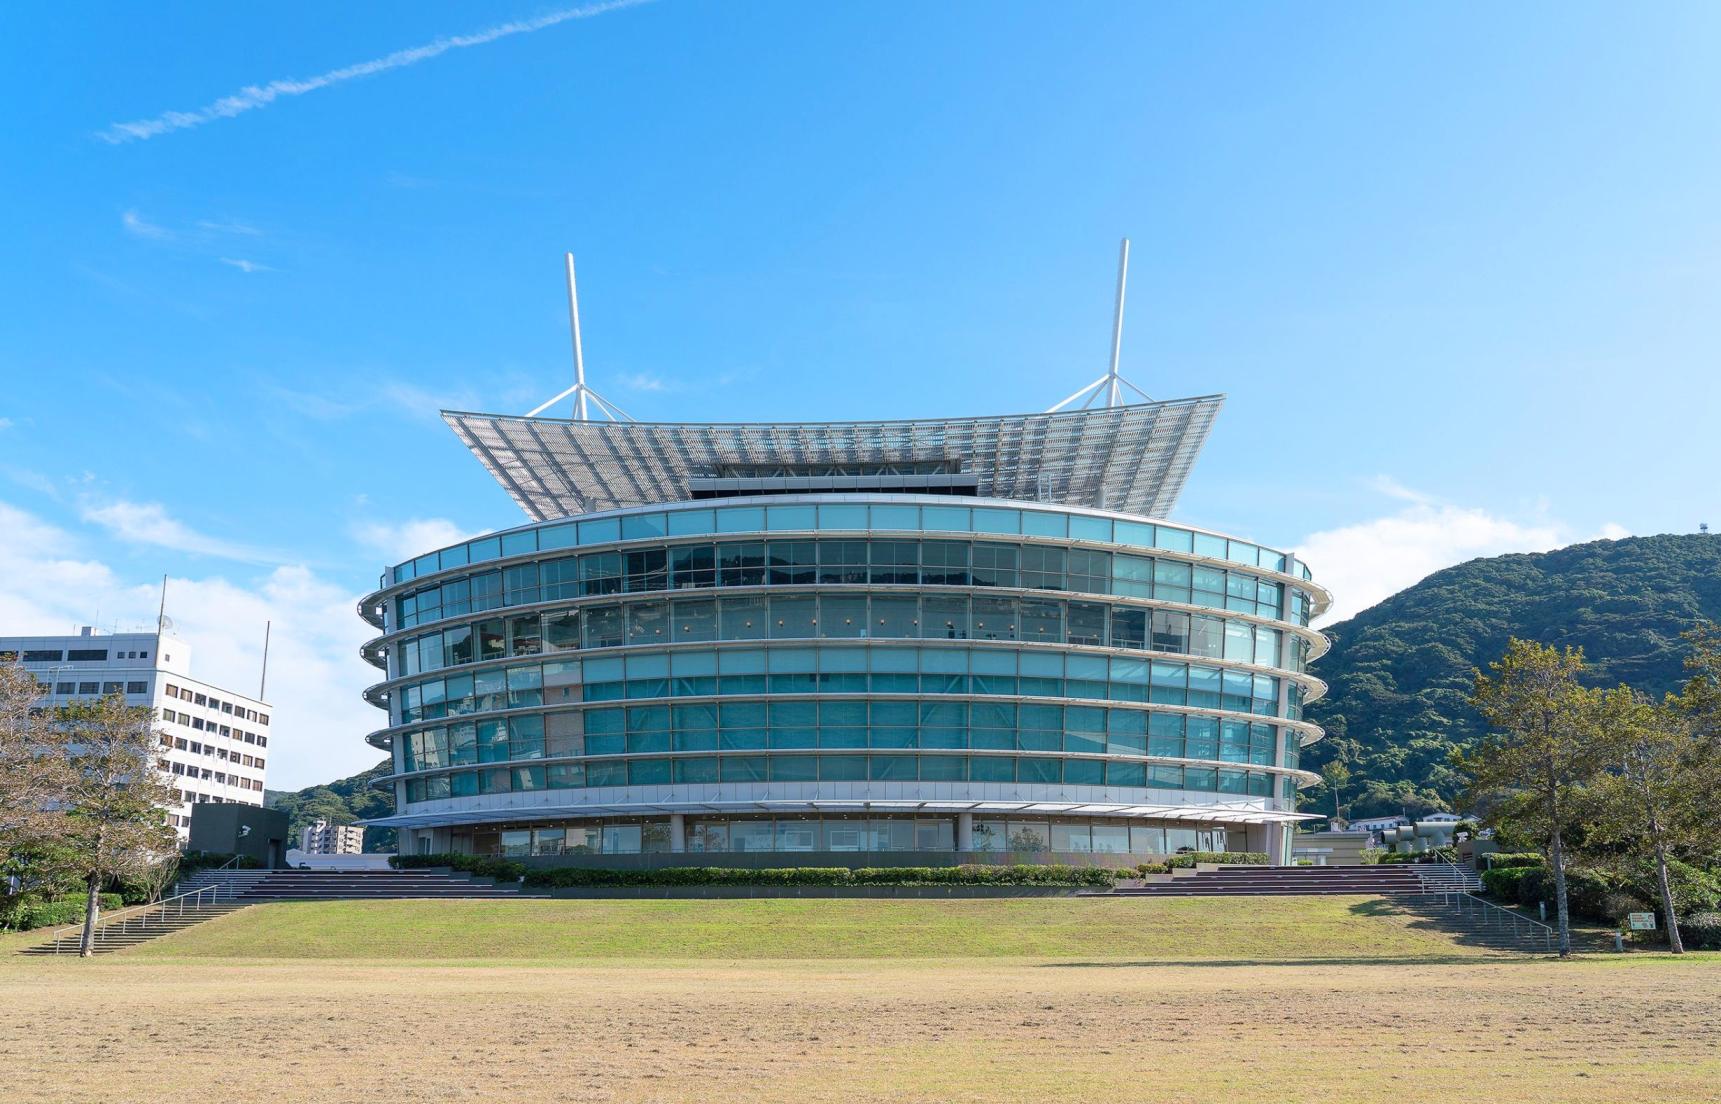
[
  {"x": 112, "y": 921},
  {"x": 1533, "y": 929}
]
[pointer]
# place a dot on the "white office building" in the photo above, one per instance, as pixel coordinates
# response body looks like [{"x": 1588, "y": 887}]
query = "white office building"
[{"x": 214, "y": 742}]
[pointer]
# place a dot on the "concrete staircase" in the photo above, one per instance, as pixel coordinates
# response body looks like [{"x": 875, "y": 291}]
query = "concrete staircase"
[
  {"x": 1438, "y": 895},
  {"x": 212, "y": 893},
  {"x": 140, "y": 926},
  {"x": 1275, "y": 881},
  {"x": 377, "y": 885}
]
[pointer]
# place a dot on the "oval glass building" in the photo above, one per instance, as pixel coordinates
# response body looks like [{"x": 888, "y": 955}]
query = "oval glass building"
[{"x": 828, "y": 643}]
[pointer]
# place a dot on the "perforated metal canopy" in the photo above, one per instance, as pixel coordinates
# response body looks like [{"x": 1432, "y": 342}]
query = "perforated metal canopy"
[{"x": 1132, "y": 458}]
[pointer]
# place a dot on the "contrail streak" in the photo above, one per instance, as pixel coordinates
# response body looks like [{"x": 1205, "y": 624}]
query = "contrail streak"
[{"x": 254, "y": 96}]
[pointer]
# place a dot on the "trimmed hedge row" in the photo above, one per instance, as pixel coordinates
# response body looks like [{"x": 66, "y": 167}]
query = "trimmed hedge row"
[
  {"x": 55, "y": 913},
  {"x": 581, "y": 876},
  {"x": 1224, "y": 858},
  {"x": 970, "y": 875}
]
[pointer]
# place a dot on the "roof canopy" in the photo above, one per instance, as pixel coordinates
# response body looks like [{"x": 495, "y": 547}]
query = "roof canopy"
[{"x": 1133, "y": 458}]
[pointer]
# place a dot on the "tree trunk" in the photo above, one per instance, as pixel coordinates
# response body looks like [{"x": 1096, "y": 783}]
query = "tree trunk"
[
  {"x": 1562, "y": 916},
  {"x": 1674, "y": 943},
  {"x": 92, "y": 908}
]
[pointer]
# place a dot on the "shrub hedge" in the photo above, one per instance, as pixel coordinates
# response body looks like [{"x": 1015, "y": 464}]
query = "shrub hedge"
[
  {"x": 581, "y": 876},
  {"x": 826, "y": 876},
  {"x": 1512, "y": 858},
  {"x": 1223, "y": 858},
  {"x": 30, "y": 915}
]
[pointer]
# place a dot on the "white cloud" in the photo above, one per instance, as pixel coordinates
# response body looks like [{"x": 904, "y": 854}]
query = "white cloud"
[
  {"x": 640, "y": 381},
  {"x": 246, "y": 266},
  {"x": 5, "y": 424},
  {"x": 149, "y": 523},
  {"x": 1369, "y": 561},
  {"x": 254, "y": 96},
  {"x": 49, "y": 585},
  {"x": 229, "y": 226},
  {"x": 399, "y": 541},
  {"x": 138, "y": 226}
]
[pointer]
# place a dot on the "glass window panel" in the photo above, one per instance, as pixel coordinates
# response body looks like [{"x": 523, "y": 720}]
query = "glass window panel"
[
  {"x": 794, "y": 615},
  {"x": 793, "y": 563},
  {"x": 698, "y": 771},
  {"x": 1071, "y": 837},
  {"x": 994, "y": 564},
  {"x": 896, "y": 517},
  {"x": 990, "y": 520},
  {"x": 457, "y": 645},
  {"x": 1175, "y": 540},
  {"x": 1128, "y": 627},
  {"x": 842, "y": 615},
  {"x": 1043, "y": 523},
  {"x": 1126, "y": 774},
  {"x": 744, "y": 768},
  {"x": 561, "y": 631},
  {"x": 752, "y": 836},
  {"x": 741, "y": 563},
  {"x": 945, "y": 563},
  {"x": 1201, "y": 738},
  {"x": 842, "y": 768},
  {"x": 946, "y": 519},
  {"x": 894, "y": 616},
  {"x": 841, "y": 517},
  {"x": 687, "y": 523},
  {"x": 893, "y": 768},
  {"x": 1162, "y": 777},
  {"x": 1028, "y": 835},
  {"x": 1204, "y": 683},
  {"x": 486, "y": 549},
  {"x": 1084, "y": 772},
  {"x": 692, "y": 566},
  {"x": 605, "y": 627},
  {"x": 600, "y": 531},
  {"x": 1206, "y": 544},
  {"x": 1170, "y": 631},
  {"x": 744, "y": 618},
  {"x": 740, "y": 519},
  {"x": 600, "y": 573},
  {"x": 795, "y": 768},
  {"x": 1165, "y": 735},
  {"x": 992, "y": 768},
  {"x": 1041, "y": 619},
  {"x": 943, "y": 768},
  {"x": 994, "y": 619},
  {"x": 1087, "y": 623},
  {"x": 1037, "y": 769},
  {"x": 1126, "y": 732},
  {"x": 642, "y": 526},
  {"x": 785, "y": 518}
]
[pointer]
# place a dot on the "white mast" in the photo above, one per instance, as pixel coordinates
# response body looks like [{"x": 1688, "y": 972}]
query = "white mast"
[
  {"x": 1110, "y": 385},
  {"x": 579, "y": 357},
  {"x": 581, "y": 394}
]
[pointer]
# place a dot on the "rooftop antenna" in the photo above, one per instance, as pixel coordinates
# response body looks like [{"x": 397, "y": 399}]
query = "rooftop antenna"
[
  {"x": 1111, "y": 384},
  {"x": 584, "y": 397},
  {"x": 263, "y": 680},
  {"x": 161, "y": 613}
]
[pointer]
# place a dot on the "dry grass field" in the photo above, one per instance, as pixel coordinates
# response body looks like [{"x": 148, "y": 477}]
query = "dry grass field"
[{"x": 727, "y": 1020}]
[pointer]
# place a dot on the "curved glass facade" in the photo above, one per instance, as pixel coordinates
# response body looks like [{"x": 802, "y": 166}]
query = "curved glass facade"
[{"x": 845, "y": 672}]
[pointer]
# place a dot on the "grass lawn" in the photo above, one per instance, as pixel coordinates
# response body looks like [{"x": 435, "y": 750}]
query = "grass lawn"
[
  {"x": 1265, "y": 929},
  {"x": 1205, "y": 999}
]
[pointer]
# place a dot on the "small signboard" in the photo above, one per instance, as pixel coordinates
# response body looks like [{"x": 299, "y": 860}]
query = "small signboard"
[{"x": 1641, "y": 921}]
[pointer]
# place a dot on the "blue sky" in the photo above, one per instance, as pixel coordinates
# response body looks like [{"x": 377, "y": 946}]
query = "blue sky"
[{"x": 1455, "y": 267}]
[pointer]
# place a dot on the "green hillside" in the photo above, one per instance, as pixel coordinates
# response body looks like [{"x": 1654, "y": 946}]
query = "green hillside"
[
  {"x": 1400, "y": 672},
  {"x": 339, "y": 802}
]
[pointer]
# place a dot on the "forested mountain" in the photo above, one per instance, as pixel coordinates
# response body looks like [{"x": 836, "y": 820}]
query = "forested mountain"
[
  {"x": 340, "y": 802},
  {"x": 1401, "y": 671}
]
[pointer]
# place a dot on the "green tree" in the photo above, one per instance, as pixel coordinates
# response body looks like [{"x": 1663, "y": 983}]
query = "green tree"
[
  {"x": 1540, "y": 750},
  {"x": 34, "y": 775},
  {"x": 1336, "y": 776},
  {"x": 115, "y": 821},
  {"x": 1650, "y": 802}
]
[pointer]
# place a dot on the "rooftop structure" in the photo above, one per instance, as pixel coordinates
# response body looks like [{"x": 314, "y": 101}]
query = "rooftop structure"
[{"x": 1131, "y": 458}]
